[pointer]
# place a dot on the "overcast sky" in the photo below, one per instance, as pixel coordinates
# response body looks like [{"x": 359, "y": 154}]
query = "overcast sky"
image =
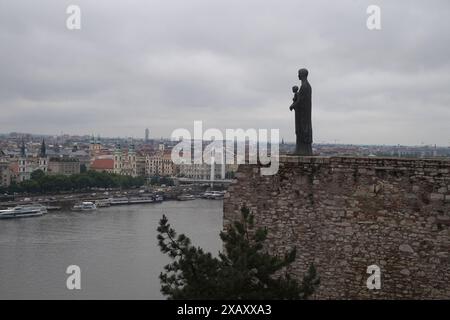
[{"x": 231, "y": 63}]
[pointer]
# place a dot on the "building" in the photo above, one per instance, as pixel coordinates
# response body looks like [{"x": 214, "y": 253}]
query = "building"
[
  {"x": 204, "y": 170},
  {"x": 141, "y": 165},
  {"x": 200, "y": 171},
  {"x": 5, "y": 171},
  {"x": 64, "y": 166},
  {"x": 103, "y": 165},
  {"x": 95, "y": 147},
  {"x": 160, "y": 164},
  {"x": 43, "y": 158},
  {"x": 83, "y": 157},
  {"x": 125, "y": 161},
  {"x": 147, "y": 135},
  {"x": 27, "y": 164},
  {"x": 23, "y": 164},
  {"x": 6, "y": 175}
]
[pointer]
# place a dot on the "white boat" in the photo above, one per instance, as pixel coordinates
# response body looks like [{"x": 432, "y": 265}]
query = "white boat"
[
  {"x": 23, "y": 211},
  {"x": 85, "y": 206},
  {"x": 118, "y": 201},
  {"x": 158, "y": 198},
  {"x": 206, "y": 195},
  {"x": 218, "y": 195},
  {"x": 53, "y": 208},
  {"x": 140, "y": 200},
  {"x": 215, "y": 195},
  {"x": 186, "y": 197},
  {"x": 103, "y": 203}
]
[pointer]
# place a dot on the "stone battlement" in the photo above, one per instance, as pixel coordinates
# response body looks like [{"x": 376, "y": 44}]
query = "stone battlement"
[{"x": 347, "y": 213}]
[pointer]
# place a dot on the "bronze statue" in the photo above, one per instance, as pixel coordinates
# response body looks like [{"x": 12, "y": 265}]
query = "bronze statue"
[{"x": 302, "y": 106}]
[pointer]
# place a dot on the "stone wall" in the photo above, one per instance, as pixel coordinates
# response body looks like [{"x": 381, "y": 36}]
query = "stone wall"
[{"x": 346, "y": 213}]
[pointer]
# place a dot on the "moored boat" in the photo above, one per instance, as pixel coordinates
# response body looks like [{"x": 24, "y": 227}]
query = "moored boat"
[
  {"x": 215, "y": 195},
  {"x": 85, "y": 206},
  {"x": 103, "y": 203},
  {"x": 118, "y": 201},
  {"x": 23, "y": 211},
  {"x": 186, "y": 197},
  {"x": 53, "y": 208},
  {"x": 140, "y": 200}
]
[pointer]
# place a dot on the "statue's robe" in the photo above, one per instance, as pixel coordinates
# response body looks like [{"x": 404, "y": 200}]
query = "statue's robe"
[{"x": 303, "y": 125}]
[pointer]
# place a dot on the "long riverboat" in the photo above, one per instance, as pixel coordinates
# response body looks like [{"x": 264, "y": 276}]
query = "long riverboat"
[{"x": 23, "y": 211}]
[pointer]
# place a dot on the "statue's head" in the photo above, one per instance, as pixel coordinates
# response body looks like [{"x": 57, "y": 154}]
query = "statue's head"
[
  {"x": 302, "y": 74},
  {"x": 295, "y": 89}
]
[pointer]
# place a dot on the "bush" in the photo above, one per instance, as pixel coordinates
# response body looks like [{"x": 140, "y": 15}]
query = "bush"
[{"x": 244, "y": 271}]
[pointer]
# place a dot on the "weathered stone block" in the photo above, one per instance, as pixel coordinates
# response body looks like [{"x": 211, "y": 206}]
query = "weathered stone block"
[
  {"x": 436, "y": 197},
  {"x": 406, "y": 248}
]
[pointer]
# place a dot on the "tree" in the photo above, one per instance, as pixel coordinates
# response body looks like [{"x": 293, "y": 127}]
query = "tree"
[
  {"x": 154, "y": 180},
  {"x": 245, "y": 270},
  {"x": 37, "y": 175},
  {"x": 30, "y": 186},
  {"x": 167, "y": 181}
]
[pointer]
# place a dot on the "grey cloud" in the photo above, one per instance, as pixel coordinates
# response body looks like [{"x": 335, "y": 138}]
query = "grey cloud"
[{"x": 163, "y": 64}]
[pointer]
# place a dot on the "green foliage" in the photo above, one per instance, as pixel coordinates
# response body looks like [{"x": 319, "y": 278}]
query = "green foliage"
[
  {"x": 38, "y": 174},
  {"x": 244, "y": 271},
  {"x": 157, "y": 180},
  {"x": 41, "y": 183}
]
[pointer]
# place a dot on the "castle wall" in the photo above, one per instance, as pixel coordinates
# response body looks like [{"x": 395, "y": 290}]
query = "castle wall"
[{"x": 345, "y": 214}]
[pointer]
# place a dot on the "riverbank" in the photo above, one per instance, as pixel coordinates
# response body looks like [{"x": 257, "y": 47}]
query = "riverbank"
[{"x": 66, "y": 200}]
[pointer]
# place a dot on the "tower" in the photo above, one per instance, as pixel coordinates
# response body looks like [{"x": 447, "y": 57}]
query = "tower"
[
  {"x": 43, "y": 159},
  {"x": 147, "y": 135},
  {"x": 132, "y": 161},
  {"x": 23, "y": 150},
  {"x": 23, "y": 163},
  {"x": 95, "y": 146},
  {"x": 118, "y": 159}
]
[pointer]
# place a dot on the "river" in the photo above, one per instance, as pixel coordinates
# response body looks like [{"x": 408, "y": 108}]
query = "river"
[{"x": 116, "y": 249}]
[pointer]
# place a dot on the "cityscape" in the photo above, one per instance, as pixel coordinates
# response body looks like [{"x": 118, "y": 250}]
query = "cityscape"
[
  {"x": 225, "y": 157},
  {"x": 21, "y": 154}
]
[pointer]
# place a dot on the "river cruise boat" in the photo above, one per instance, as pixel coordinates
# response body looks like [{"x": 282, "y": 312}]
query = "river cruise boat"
[
  {"x": 53, "y": 208},
  {"x": 214, "y": 195},
  {"x": 85, "y": 206},
  {"x": 118, "y": 201},
  {"x": 103, "y": 203},
  {"x": 186, "y": 197},
  {"x": 140, "y": 200},
  {"x": 23, "y": 211}
]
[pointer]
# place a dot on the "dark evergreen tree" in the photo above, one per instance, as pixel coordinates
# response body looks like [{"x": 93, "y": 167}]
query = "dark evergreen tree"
[
  {"x": 37, "y": 175},
  {"x": 245, "y": 270}
]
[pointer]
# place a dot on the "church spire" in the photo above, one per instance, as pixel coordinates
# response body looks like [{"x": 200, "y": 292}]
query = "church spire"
[
  {"x": 43, "y": 149},
  {"x": 22, "y": 149}
]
